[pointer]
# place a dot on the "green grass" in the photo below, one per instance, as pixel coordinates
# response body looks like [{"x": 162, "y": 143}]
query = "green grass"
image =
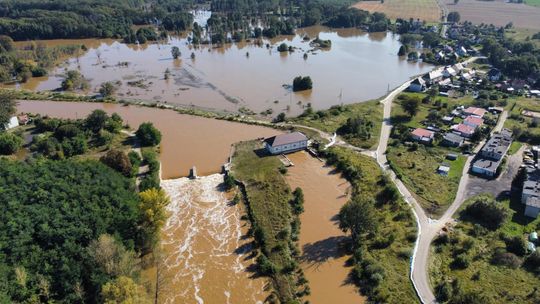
[
  {"x": 330, "y": 120},
  {"x": 268, "y": 197},
  {"x": 418, "y": 170},
  {"x": 516, "y": 145},
  {"x": 499, "y": 284},
  {"x": 396, "y": 219},
  {"x": 533, "y": 2},
  {"x": 524, "y": 34},
  {"x": 519, "y": 123}
]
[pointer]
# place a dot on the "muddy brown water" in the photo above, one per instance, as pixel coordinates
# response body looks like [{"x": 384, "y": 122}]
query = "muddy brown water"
[
  {"x": 207, "y": 256},
  {"x": 358, "y": 67},
  {"x": 321, "y": 241},
  {"x": 187, "y": 141}
]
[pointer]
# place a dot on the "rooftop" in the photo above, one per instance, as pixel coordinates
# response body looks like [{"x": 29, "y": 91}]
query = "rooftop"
[
  {"x": 419, "y": 132},
  {"x": 498, "y": 144},
  {"x": 453, "y": 137},
  {"x": 464, "y": 129},
  {"x": 486, "y": 164},
  {"x": 284, "y": 139},
  {"x": 474, "y": 120},
  {"x": 475, "y": 111}
]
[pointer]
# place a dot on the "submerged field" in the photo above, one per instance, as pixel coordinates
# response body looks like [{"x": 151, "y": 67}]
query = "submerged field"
[{"x": 427, "y": 10}]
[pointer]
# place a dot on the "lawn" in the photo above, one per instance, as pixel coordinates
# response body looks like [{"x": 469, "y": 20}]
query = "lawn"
[
  {"x": 332, "y": 119},
  {"x": 418, "y": 170},
  {"x": 523, "y": 34},
  {"x": 268, "y": 197},
  {"x": 533, "y": 2},
  {"x": 526, "y": 129},
  {"x": 499, "y": 284},
  {"x": 426, "y": 10},
  {"x": 396, "y": 221},
  {"x": 516, "y": 145}
]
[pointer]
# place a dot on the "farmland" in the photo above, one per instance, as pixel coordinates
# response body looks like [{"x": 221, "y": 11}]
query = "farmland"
[
  {"x": 427, "y": 10},
  {"x": 497, "y": 12}
]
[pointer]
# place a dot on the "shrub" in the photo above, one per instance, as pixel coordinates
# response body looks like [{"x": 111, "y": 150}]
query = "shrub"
[
  {"x": 302, "y": 83},
  {"x": 118, "y": 161},
  {"x": 461, "y": 261},
  {"x": 9, "y": 143},
  {"x": 502, "y": 258},
  {"x": 148, "y": 134},
  {"x": 487, "y": 212},
  {"x": 516, "y": 245}
]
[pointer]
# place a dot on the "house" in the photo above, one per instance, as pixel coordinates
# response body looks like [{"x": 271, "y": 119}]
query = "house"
[
  {"x": 422, "y": 135},
  {"x": 491, "y": 155},
  {"x": 451, "y": 156},
  {"x": 530, "y": 194},
  {"x": 448, "y": 119},
  {"x": 473, "y": 121},
  {"x": 474, "y": 111},
  {"x": 418, "y": 85},
  {"x": 443, "y": 169},
  {"x": 449, "y": 72},
  {"x": 462, "y": 51},
  {"x": 451, "y": 139},
  {"x": 464, "y": 130},
  {"x": 13, "y": 123},
  {"x": 434, "y": 76},
  {"x": 496, "y": 110},
  {"x": 532, "y": 207},
  {"x": 286, "y": 143},
  {"x": 494, "y": 74},
  {"x": 23, "y": 119}
]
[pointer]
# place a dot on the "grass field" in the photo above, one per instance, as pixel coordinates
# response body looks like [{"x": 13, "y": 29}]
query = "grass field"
[
  {"x": 497, "y": 12},
  {"x": 498, "y": 284},
  {"x": 418, "y": 170},
  {"x": 268, "y": 203},
  {"x": 523, "y": 35},
  {"x": 330, "y": 120},
  {"x": 395, "y": 220},
  {"x": 533, "y": 2},
  {"x": 427, "y": 10},
  {"x": 525, "y": 125}
]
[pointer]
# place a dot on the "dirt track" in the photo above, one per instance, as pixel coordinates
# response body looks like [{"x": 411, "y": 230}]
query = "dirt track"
[{"x": 496, "y": 12}]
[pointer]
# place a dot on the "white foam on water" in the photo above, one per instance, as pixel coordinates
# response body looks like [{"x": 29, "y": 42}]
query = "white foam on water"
[{"x": 204, "y": 231}]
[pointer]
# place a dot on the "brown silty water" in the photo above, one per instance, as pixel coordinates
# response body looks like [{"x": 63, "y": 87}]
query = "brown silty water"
[
  {"x": 208, "y": 258},
  {"x": 321, "y": 241},
  {"x": 359, "y": 66},
  {"x": 187, "y": 141}
]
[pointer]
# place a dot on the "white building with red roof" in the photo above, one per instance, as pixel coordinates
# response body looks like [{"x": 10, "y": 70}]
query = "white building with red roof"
[
  {"x": 474, "y": 111},
  {"x": 422, "y": 135},
  {"x": 464, "y": 130},
  {"x": 473, "y": 121}
]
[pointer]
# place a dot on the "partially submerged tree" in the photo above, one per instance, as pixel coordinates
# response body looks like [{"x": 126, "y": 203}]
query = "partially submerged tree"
[
  {"x": 8, "y": 107},
  {"x": 148, "y": 134}
]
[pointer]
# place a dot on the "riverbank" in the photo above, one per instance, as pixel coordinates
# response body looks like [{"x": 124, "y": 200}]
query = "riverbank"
[{"x": 274, "y": 225}]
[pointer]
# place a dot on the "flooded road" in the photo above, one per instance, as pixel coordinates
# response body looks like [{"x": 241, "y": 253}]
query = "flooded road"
[
  {"x": 187, "y": 140},
  {"x": 358, "y": 67},
  {"x": 321, "y": 240},
  {"x": 207, "y": 256}
]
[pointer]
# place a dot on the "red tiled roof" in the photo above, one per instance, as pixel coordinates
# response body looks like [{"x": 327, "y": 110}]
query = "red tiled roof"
[
  {"x": 474, "y": 120},
  {"x": 464, "y": 129},
  {"x": 422, "y": 133},
  {"x": 475, "y": 111}
]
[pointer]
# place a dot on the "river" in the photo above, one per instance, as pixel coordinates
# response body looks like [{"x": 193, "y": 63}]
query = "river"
[
  {"x": 322, "y": 242},
  {"x": 187, "y": 140},
  {"x": 359, "y": 66}
]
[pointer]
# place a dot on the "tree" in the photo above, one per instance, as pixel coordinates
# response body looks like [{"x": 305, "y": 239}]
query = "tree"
[
  {"x": 453, "y": 17},
  {"x": 280, "y": 118},
  {"x": 96, "y": 120},
  {"x": 283, "y": 47},
  {"x": 107, "y": 89},
  {"x": 175, "y": 52},
  {"x": 118, "y": 161},
  {"x": 487, "y": 212},
  {"x": 74, "y": 80},
  {"x": 9, "y": 143},
  {"x": 359, "y": 217},
  {"x": 112, "y": 257},
  {"x": 8, "y": 107},
  {"x": 153, "y": 214},
  {"x": 148, "y": 134},
  {"x": 403, "y": 50},
  {"x": 410, "y": 105},
  {"x": 124, "y": 290},
  {"x": 302, "y": 83}
]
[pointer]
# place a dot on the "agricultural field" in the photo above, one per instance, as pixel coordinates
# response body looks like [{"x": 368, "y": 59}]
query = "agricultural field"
[
  {"x": 497, "y": 12},
  {"x": 427, "y": 10}
]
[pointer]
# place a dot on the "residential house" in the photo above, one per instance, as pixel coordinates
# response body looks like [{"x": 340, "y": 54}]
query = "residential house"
[
  {"x": 13, "y": 123},
  {"x": 443, "y": 169},
  {"x": 464, "y": 130},
  {"x": 474, "y": 111},
  {"x": 491, "y": 155},
  {"x": 451, "y": 139},
  {"x": 462, "y": 51},
  {"x": 448, "y": 120},
  {"x": 23, "y": 119},
  {"x": 422, "y": 135},
  {"x": 530, "y": 194},
  {"x": 449, "y": 72},
  {"x": 286, "y": 143},
  {"x": 434, "y": 76},
  {"x": 473, "y": 121},
  {"x": 418, "y": 85},
  {"x": 494, "y": 74}
]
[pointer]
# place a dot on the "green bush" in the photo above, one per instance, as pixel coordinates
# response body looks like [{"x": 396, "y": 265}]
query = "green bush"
[
  {"x": 9, "y": 143},
  {"x": 148, "y": 134}
]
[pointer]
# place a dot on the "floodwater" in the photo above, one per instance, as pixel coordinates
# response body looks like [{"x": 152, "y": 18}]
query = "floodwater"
[
  {"x": 187, "y": 141},
  {"x": 207, "y": 257},
  {"x": 359, "y": 66},
  {"x": 321, "y": 241}
]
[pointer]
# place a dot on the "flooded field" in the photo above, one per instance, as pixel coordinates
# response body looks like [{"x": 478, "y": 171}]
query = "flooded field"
[
  {"x": 207, "y": 257},
  {"x": 359, "y": 66},
  {"x": 187, "y": 140},
  {"x": 321, "y": 241}
]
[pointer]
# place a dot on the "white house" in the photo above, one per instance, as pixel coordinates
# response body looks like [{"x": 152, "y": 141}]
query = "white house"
[
  {"x": 418, "y": 85},
  {"x": 13, "y": 123},
  {"x": 286, "y": 143}
]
